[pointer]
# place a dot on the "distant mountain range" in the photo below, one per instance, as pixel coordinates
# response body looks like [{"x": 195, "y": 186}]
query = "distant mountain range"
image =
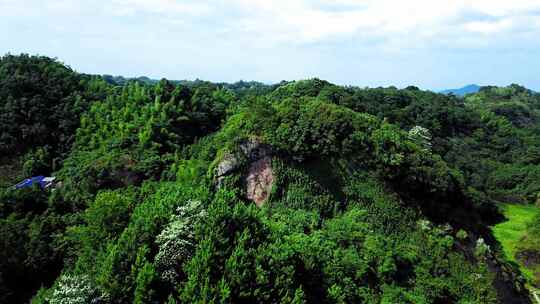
[
  {"x": 471, "y": 88},
  {"x": 120, "y": 80}
]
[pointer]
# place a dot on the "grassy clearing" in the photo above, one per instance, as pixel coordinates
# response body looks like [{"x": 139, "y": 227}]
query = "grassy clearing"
[{"x": 511, "y": 232}]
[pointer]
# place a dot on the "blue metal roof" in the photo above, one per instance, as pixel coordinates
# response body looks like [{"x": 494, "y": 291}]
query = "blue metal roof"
[{"x": 29, "y": 182}]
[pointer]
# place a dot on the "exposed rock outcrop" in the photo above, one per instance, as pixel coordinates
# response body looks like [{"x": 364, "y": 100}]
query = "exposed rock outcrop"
[
  {"x": 529, "y": 257},
  {"x": 228, "y": 165},
  {"x": 256, "y": 157},
  {"x": 259, "y": 180}
]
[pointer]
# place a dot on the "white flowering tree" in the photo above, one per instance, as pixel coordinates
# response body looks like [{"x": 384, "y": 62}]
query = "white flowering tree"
[
  {"x": 177, "y": 241},
  {"x": 421, "y": 136},
  {"x": 74, "y": 289}
]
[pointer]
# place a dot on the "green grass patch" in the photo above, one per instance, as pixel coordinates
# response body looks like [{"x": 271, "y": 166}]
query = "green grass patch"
[{"x": 511, "y": 232}]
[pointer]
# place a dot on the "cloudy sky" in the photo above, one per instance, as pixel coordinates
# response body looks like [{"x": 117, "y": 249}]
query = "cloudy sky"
[{"x": 433, "y": 44}]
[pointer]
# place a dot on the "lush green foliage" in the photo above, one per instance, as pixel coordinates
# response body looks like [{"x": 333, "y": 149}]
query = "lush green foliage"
[
  {"x": 520, "y": 238},
  {"x": 42, "y": 101},
  {"x": 377, "y": 195}
]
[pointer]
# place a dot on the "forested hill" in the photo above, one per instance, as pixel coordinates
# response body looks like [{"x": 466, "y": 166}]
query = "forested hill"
[
  {"x": 299, "y": 192},
  {"x": 468, "y": 89}
]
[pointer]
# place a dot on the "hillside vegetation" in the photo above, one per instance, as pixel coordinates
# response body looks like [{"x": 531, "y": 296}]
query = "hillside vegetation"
[
  {"x": 299, "y": 192},
  {"x": 514, "y": 235}
]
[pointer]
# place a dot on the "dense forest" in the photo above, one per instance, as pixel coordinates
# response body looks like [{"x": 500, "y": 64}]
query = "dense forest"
[{"x": 298, "y": 192}]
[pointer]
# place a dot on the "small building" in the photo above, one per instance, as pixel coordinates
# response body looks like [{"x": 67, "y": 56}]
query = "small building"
[{"x": 42, "y": 181}]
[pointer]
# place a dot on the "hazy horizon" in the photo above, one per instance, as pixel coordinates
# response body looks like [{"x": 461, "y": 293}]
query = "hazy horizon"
[{"x": 429, "y": 44}]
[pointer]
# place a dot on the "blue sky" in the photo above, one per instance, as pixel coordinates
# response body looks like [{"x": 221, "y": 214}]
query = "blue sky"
[{"x": 429, "y": 43}]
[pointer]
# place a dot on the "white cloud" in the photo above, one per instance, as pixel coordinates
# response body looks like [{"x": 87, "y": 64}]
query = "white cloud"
[
  {"x": 299, "y": 21},
  {"x": 162, "y": 6},
  {"x": 488, "y": 27},
  {"x": 281, "y": 38},
  {"x": 303, "y": 21}
]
